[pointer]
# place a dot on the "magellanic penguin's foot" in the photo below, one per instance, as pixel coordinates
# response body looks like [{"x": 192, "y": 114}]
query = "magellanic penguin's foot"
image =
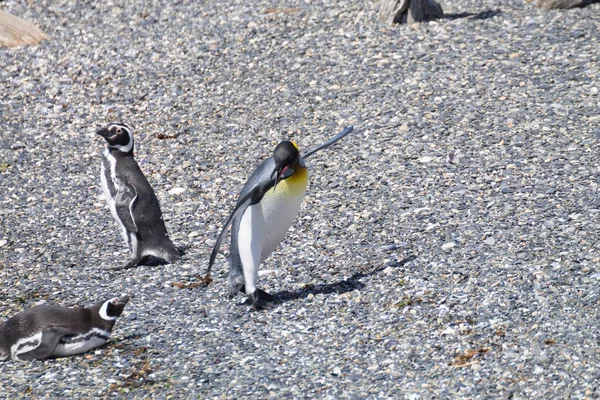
[
  {"x": 142, "y": 261},
  {"x": 182, "y": 249},
  {"x": 173, "y": 256},
  {"x": 261, "y": 299},
  {"x": 132, "y": 262},
  {"x": 118, "y": 267}
]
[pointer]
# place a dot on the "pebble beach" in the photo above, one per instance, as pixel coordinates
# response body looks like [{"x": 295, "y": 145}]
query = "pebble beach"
[{"x": 447, "y": 248}]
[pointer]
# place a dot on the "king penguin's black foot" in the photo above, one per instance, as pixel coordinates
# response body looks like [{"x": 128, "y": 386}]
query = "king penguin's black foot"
[{"x": 261, "y": 299}]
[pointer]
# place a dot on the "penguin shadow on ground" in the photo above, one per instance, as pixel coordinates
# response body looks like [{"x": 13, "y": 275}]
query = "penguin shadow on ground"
[
  {"x": 340, "y": 287},
  {"x": 487, "y": 14}
]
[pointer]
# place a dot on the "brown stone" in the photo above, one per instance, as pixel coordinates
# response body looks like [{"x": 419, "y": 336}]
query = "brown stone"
[
  {"x": 564, "y": 4},
  {"x": 15, "y": 31}
]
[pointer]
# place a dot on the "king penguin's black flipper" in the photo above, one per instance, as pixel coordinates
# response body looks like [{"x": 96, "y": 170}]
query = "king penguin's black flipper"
[
  {"x": 328, "y": 143},
  {"x": 252, "y": 196},
  {"x": 215, "y": 250},
  {"x": 125, "y": 202}
]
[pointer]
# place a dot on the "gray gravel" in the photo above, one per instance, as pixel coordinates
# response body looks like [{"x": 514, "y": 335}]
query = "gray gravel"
[{"x": 447, "y": 249}]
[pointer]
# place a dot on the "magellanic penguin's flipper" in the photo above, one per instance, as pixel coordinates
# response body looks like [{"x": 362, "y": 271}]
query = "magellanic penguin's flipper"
[
  {"x": 328, "y": 143},
  {"x": 125, "y": 202},
  {"x": 50, "y": 338},
  {"x": 253, "y": 196}
]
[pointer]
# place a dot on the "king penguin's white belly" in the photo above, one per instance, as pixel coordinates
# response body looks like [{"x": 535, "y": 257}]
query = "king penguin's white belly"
[
  {"x": 263, "y": 225},
  {"x": 279, "y": 209},
  {"x": 279, "y": 213}
]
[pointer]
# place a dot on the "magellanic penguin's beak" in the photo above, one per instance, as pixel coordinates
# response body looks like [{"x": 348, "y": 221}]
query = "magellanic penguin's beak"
[
  {"x": 123, "y": 300},
  {"x": 104, "y": 132}
]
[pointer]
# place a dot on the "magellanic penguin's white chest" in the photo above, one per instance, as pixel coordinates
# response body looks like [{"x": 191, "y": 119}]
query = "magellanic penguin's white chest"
[
  {"x": 25, "y": 344},
  {"x": 109, "y": 175},
  {"x": 275, "y": 213},
  {"x": 67, "y": 345},
  {"x": 110, "y": 187},
  {"x": 81, "y": 343}
]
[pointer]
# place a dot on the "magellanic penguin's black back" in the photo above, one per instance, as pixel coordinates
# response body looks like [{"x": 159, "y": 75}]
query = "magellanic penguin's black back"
[
  {"x": 71, "y": 321},
  {"x": 28, "y": 322},
  {"x": 38, "y": 317},
  {"x": 147, "y": 210}
]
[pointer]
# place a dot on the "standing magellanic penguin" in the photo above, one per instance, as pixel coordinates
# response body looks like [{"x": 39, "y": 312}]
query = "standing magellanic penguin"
[
  {"x": 132, "y": 201},
  {"x": 49, "y": 330},
  {"x": 266, "y": 208}
]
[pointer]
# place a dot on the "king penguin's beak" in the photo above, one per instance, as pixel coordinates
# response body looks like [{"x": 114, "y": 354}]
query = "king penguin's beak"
[{"x": 282, "y": 173}]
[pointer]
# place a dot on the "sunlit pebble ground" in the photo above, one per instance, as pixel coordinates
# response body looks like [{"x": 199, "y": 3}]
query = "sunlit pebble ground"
[{"x": 448, "y": 248}]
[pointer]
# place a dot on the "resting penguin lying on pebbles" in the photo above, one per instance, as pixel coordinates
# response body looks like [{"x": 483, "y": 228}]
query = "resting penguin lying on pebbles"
[
  {"x": 132, "y": 201},
  {"x": 266, "y": 208},
  {"x": 49, "y": 330}
]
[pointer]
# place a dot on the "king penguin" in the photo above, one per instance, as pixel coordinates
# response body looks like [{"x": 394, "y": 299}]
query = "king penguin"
[
  {"x": 132, "y": 201},
  {"x": 266, "y": 208},
  {"x": 49, "y": 330}
]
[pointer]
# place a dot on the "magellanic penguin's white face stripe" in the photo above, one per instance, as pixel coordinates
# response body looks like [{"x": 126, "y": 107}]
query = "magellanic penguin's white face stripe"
[
  {"x": 25, "y": 345},
  {"x": 103, "y": 309},
  {"x": 124, "y": 148},
  {"x": 81, "y": 343},
  {"x": 250, "y": 241}
]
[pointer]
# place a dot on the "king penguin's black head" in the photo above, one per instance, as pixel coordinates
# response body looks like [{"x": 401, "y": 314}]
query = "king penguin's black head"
[
  {"x": 118, "y": 136},
  {"x": 287, "y": 159}
]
